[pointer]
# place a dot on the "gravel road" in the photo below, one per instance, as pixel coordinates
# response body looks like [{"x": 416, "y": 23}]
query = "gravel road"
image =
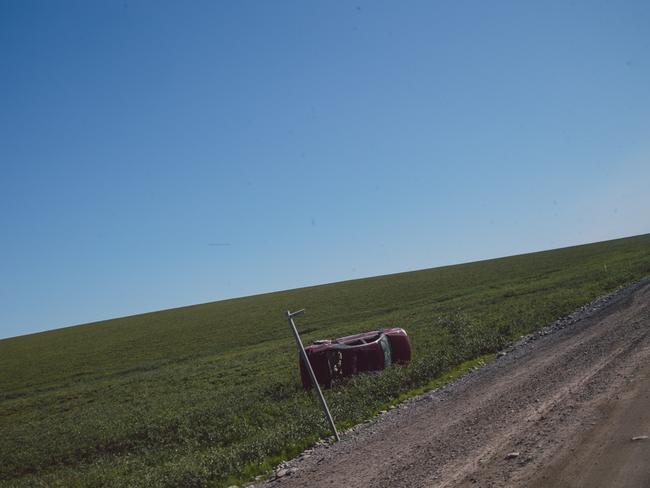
[{"x": 560, "y": 408}]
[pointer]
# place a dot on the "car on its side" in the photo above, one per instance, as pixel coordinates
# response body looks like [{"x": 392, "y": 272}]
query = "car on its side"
[{"x": 346, "y": 356}]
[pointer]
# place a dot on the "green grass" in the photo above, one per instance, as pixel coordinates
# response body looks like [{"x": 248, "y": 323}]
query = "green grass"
[{"x": 210, "y": 394}]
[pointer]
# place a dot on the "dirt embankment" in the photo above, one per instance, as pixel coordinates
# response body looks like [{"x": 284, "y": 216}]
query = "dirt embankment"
[{"x": 559, "y": 409}]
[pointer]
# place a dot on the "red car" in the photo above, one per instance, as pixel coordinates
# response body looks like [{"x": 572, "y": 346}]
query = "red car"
[{"x": 369, "y": 351}]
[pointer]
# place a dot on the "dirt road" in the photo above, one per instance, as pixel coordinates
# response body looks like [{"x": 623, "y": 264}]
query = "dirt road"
[{"x": 565, "y": 404}]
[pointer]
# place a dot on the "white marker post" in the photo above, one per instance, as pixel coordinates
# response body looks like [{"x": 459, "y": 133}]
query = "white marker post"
[{"x": 303, "y": 355}]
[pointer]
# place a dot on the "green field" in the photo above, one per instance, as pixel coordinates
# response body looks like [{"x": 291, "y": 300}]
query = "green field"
[{"x": 209, "y": 395}]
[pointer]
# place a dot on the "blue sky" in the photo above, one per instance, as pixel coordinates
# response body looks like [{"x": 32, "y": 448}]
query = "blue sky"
[{"x": 159, "y": 154}]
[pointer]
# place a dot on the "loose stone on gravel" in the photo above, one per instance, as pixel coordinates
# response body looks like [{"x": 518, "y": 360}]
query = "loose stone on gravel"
[
  {"x": 281, "y": 473},
  {"x": 640, "y": 438},
  {"x": 512, "y": 455}
]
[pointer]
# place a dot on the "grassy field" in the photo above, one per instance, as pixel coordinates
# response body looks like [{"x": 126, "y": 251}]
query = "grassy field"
[{"x": 209, "y": 395}]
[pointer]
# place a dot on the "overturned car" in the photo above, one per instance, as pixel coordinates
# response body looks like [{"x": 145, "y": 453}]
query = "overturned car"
[{"x": 368, "y": 351}]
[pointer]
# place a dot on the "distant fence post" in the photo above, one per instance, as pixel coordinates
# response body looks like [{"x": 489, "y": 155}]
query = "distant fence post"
[{"x": 303, "y": 355}]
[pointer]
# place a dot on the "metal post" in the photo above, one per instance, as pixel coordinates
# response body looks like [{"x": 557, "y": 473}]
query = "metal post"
[{"x": 303, "y": 355}]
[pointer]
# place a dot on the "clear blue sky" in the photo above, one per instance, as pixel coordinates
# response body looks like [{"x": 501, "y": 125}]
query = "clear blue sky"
[{"x": 159, "y": 154}]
